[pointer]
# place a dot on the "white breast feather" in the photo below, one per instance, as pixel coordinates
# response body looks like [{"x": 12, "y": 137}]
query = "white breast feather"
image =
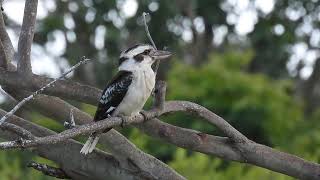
[{"x": 139, "y": 91}]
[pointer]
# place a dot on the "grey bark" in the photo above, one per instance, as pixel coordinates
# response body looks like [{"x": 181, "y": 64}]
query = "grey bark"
[{"x": 98, "y": 165}]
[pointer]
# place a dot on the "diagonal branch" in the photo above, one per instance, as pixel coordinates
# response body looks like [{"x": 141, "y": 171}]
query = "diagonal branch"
[
  {"x": 248, "y": 152},
  {"x": 71, "y": 133},
  {"x": 204, "y": 113},
  {"x": 26, "y": 37},
  {"x": 21, "y": 103},
  {"x": 21, "y": 132},
  {"x": 115, "y": 143},
  {"x": 96, "y": 166},
  {"x": 49, "y": 170},
  {"x": 62, "y": 88}
]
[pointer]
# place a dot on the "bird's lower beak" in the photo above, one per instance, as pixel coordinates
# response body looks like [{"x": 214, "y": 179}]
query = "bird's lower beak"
[{"x": 159, "y": 54}]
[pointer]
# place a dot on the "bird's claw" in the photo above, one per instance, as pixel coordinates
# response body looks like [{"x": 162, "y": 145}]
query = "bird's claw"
[
  {"x": 124, "y": 120},
  {"x": 145, "y": 116}
]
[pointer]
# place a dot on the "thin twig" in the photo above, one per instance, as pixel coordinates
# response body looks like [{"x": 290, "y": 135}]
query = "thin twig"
[
  {"x": 69, "y": 124},
  {"x": 144, "y": 14},
  {"x": 49, "y": 170},
  {"x": 21, "y": 103}
]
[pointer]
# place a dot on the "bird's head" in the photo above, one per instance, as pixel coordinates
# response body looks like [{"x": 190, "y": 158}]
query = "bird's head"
[{"x": 140, "y": 56}]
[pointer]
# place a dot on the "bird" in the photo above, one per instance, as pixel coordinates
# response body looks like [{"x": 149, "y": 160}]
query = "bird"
[{"x": 129, "y": 89}]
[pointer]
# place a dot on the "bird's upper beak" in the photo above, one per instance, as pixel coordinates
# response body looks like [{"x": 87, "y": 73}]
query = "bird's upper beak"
[{"x": 159, "y": 54}]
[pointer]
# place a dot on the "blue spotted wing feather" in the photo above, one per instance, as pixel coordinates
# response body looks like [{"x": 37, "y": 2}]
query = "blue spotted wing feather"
[{"x": 113, "y": 94}]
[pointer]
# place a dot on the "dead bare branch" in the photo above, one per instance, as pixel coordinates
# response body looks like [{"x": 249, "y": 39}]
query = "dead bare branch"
[
  {"x": 6, "y": 42},
  {"x": 124, "y": 151},
  {"x": 21, "y": 103},
  {"x": 62, "y": 88},
  {"x": 3, "y": 57},
  {"x": 144, "y": 14},
  {"x": 80, "y": 130},
  {"x": 17, "y": 130},
  {"x": 220, "y": 123},
  {"x": 219, "y": 146},
  {"x": 26, "y": 37},
  {"x": 235, "y": 147},
  {"x": 49, "y": 170},
  {"x": 96, "y": 166}
]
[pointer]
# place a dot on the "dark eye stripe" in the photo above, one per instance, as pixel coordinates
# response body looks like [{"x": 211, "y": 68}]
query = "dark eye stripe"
[
  {"x": 146, "y": 52},
  {"x": 138, "y": 57},
  {"x": 122, "y": 59}
]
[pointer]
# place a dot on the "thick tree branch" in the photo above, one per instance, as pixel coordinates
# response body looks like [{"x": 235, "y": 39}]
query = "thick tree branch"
[
  {"x": 23, "y": 133},
  {"x": 21, "y": 103},
  {"x": 249, "y": 152},
  {"x": 246, "y": 151},
  {"x": 226, "y": 148},
  {"x": 63, "y": 88},
  {"x": 125, "y": 152},
  {"x": 26, "y": 37},
  {"x": 5, "y": 40},
  {"x": 96, "y": 166},
  {"x": 160, "y": 95},
  {"x": 80, "y": 130},
  {"x": 204, "y": 113},
  {"x": 3, "y": 57}
]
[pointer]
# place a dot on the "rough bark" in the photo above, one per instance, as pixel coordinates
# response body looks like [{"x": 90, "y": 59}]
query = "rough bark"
[
  {"x": 97, "y": 165},
  {"x": 26, "y": 37}
]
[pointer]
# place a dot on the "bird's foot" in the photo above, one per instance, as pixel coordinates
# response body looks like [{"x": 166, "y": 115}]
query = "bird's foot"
[
  {"x": 124, "y": 120},
  {"x": 144, "y": 114}
]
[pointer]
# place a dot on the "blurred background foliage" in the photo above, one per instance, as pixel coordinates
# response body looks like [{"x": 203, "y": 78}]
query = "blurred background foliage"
[{"x": 253, "y": 62}]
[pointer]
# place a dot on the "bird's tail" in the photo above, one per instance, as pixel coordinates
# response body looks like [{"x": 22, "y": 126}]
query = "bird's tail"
[{"x": 90, "y": 144}]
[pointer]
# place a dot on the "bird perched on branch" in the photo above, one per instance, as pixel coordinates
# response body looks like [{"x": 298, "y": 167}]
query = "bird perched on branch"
[{"x": 128, "y": 91}]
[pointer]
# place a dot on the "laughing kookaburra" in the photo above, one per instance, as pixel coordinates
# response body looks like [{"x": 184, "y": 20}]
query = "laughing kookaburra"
[{"x": 127, "y": 92}]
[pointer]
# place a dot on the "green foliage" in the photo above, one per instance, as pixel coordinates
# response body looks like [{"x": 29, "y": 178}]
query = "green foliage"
[
  {"x": 46, "y": 122},
  {"x": 13, "y": 166},
  {"x": 258, "y": 106}
]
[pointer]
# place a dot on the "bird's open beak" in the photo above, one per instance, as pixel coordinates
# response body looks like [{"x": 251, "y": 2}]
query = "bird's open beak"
[{"x": 159, "y": 54}]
